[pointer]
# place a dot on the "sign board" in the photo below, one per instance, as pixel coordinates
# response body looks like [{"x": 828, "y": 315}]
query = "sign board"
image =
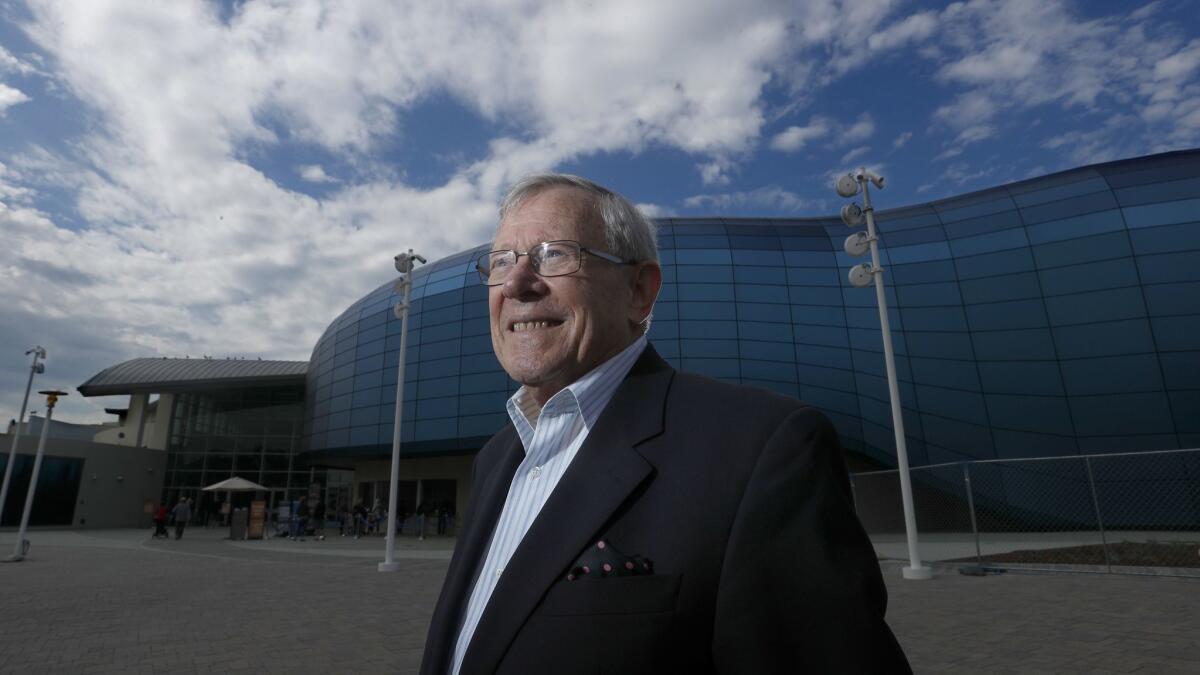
[{"x": 258, "y": 519}]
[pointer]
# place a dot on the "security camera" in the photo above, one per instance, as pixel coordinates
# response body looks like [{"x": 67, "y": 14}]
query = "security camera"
[
  {"x": 875, "y": 179},
  {"x": 846, "y": 186},
  {"x": 405, "y": 261}
]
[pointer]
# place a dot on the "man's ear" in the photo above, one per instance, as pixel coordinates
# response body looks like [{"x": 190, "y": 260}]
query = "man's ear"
[{"x": 647, "y": 282}]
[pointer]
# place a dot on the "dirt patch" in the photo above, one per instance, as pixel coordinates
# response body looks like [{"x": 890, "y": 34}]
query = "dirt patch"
[{"x": 1133, "y": 554}]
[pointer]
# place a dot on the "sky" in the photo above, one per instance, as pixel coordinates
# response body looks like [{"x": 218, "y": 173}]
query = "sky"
[{"x": 225, "y": 178}]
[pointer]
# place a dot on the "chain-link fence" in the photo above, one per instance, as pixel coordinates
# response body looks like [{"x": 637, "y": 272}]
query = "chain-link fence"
[{"x": 1131, "y": 513}]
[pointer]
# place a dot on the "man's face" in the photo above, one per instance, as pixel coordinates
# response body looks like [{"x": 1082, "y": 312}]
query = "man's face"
[{"x": 549, "y": 332}]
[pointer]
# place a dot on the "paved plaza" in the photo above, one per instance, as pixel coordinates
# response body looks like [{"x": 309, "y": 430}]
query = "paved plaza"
[{"x": 118, "y": 601}]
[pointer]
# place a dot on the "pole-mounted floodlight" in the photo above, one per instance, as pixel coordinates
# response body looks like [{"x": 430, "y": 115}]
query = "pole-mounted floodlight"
[
  {"x": 22, "y": 546},
  {"x": 405, "y": 262},
  {"x": 861, "y": 276},
  {"x": 36, "y": 368}
]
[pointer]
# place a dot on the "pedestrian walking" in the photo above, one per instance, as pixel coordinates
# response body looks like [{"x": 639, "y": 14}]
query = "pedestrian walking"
[
  {"x": 182, "y": 514},
  {"x": 443, "y": 518},
  {"x": 160, "y": 522}
]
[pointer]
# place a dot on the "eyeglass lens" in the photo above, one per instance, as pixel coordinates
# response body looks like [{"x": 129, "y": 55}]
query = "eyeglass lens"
[{"x": 549, "y": 259}]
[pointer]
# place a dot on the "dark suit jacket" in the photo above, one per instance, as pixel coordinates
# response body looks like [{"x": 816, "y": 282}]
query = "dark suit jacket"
[{"x": 740, "y": 499}]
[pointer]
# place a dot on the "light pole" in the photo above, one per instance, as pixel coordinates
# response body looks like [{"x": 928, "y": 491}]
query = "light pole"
[
  {"x": 861, "y": 276},
  {"x": 34, "y": 369},
  {"x": 405, "y": 262},
  {"x": 22, "y": 546}
]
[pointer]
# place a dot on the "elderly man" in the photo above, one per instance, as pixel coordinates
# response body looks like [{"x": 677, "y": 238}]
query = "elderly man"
[{"x": 634, "y": 519}]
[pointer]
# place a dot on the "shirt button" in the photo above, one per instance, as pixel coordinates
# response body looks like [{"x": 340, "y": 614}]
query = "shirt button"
[
  {"x": 499, "y": 572},
  {"x": 535, "y": 472}
]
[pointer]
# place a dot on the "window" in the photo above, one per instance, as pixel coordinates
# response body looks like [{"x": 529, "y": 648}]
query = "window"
[
  {"x": 1109, "y": 375},
  {"x": 1103, "y": 339},
  {"x": 1165, "y": 213},
  {"x": 1070, "y": 207}
]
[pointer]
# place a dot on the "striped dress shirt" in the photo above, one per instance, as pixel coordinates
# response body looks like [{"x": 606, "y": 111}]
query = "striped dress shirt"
[{"x": 551, "y": 436}]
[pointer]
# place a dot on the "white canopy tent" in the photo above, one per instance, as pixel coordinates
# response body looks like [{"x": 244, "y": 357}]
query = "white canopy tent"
[
  {"x": 238, "y": 484},
  {"x": 235, "y": 484}
]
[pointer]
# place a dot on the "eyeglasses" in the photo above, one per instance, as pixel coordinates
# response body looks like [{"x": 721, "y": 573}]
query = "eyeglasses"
[{"x": 549, "y": 259}]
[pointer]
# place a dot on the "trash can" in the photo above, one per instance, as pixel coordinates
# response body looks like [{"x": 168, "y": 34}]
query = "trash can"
[{"x": 237, "y": 524}]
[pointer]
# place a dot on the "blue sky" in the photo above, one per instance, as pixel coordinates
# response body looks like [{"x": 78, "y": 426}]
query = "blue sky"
[{"x": 224, "y": 178}]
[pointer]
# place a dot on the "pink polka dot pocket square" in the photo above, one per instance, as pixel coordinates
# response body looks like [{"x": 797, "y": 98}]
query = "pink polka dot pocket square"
[{"x": 602, "y": 560}]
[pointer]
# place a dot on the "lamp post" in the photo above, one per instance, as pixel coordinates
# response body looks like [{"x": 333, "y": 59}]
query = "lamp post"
[
  {"x": 861, "y": 276},
  {"x": 22, "y": 546},
  {"x": 34, "y": 369},
  {"x": 405, "y": 262}
]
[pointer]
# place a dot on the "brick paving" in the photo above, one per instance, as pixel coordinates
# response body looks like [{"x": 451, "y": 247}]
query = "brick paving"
[{"x": 119, "y": 602}]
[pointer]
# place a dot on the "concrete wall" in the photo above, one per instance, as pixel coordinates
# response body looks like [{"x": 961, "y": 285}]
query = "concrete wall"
[
  {"x": 115, "y": 483},
  {"x": 141, "y": 426}
]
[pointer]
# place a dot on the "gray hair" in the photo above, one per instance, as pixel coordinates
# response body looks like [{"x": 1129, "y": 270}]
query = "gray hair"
[{"x": 628, "y": 233}]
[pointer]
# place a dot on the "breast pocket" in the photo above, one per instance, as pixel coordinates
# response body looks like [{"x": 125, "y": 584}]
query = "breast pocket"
[{"x": 647, "y": 594}]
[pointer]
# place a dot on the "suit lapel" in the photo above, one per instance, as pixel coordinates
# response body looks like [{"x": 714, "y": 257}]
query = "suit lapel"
[
  {"x": 471, "y": 549},
  {"x": 602, "y": 475}
]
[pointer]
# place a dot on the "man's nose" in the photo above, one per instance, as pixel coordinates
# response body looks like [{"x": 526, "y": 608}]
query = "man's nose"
[{"x": 522, "y": 282}]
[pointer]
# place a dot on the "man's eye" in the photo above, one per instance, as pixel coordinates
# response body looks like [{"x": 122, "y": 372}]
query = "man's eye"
[
  {"x": 551, "y": 253},
  {"x": 501, "y": 261}
]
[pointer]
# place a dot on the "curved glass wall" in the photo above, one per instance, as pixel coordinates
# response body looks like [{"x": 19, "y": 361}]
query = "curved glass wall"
[{"x": 1054, "y": 316}]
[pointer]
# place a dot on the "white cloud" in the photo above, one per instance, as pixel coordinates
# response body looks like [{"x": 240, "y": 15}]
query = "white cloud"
[
  {"x": 12, "y": 64},
  {"x": 10, "y": 97},
  {"x": 314, "y": 173},
  {"x": 855, "y": 153},
  {"x": 794, "y": 138},
  {"x": 656, "y": 210},
  {"x": 948, "y": 153},
  {"x": 715, "y": 172},
  {"x": 901, "y": 140},
  {"x": 770, "y": 196},
  {"x": 831, "y": 132},
  {"x": 998, "y": 63},
  {"x": 968, "y": 109},
  {"x": 976, "y": 133},
  {"x": 914, "y": 28},
  {"x": 862, "y": 129},
  {"x": 1014, "y": 55}
]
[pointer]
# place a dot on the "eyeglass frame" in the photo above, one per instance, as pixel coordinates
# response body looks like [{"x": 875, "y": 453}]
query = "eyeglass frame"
[{"x": 582, "y": 249}]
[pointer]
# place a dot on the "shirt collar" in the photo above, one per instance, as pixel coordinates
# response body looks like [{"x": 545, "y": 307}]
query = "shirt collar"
[{"x": 588, "y": 395}]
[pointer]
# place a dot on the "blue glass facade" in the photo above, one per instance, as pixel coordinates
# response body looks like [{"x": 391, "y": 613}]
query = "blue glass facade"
[{"x": 1054, "y": 316}]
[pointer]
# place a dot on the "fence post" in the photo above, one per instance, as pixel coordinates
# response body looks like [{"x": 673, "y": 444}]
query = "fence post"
[
  {"x": 971, "y": 505},
  {"x": 1087, "y": 463}
]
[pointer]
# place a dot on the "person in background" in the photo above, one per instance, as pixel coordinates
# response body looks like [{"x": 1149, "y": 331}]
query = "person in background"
[
  {"x": 160, "y": 522},
  {"x": 182, "y": 513},
  {"x": 375, "y": 517},
  {"x": 443, "y": 517},
  {"x": 360, "y": 520},
  {"x": 421, "y": 508},
  {"x": 318, "y": 518}
]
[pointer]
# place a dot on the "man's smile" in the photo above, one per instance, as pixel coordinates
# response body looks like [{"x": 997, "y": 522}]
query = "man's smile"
[{"x": 525, "y": 326}]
